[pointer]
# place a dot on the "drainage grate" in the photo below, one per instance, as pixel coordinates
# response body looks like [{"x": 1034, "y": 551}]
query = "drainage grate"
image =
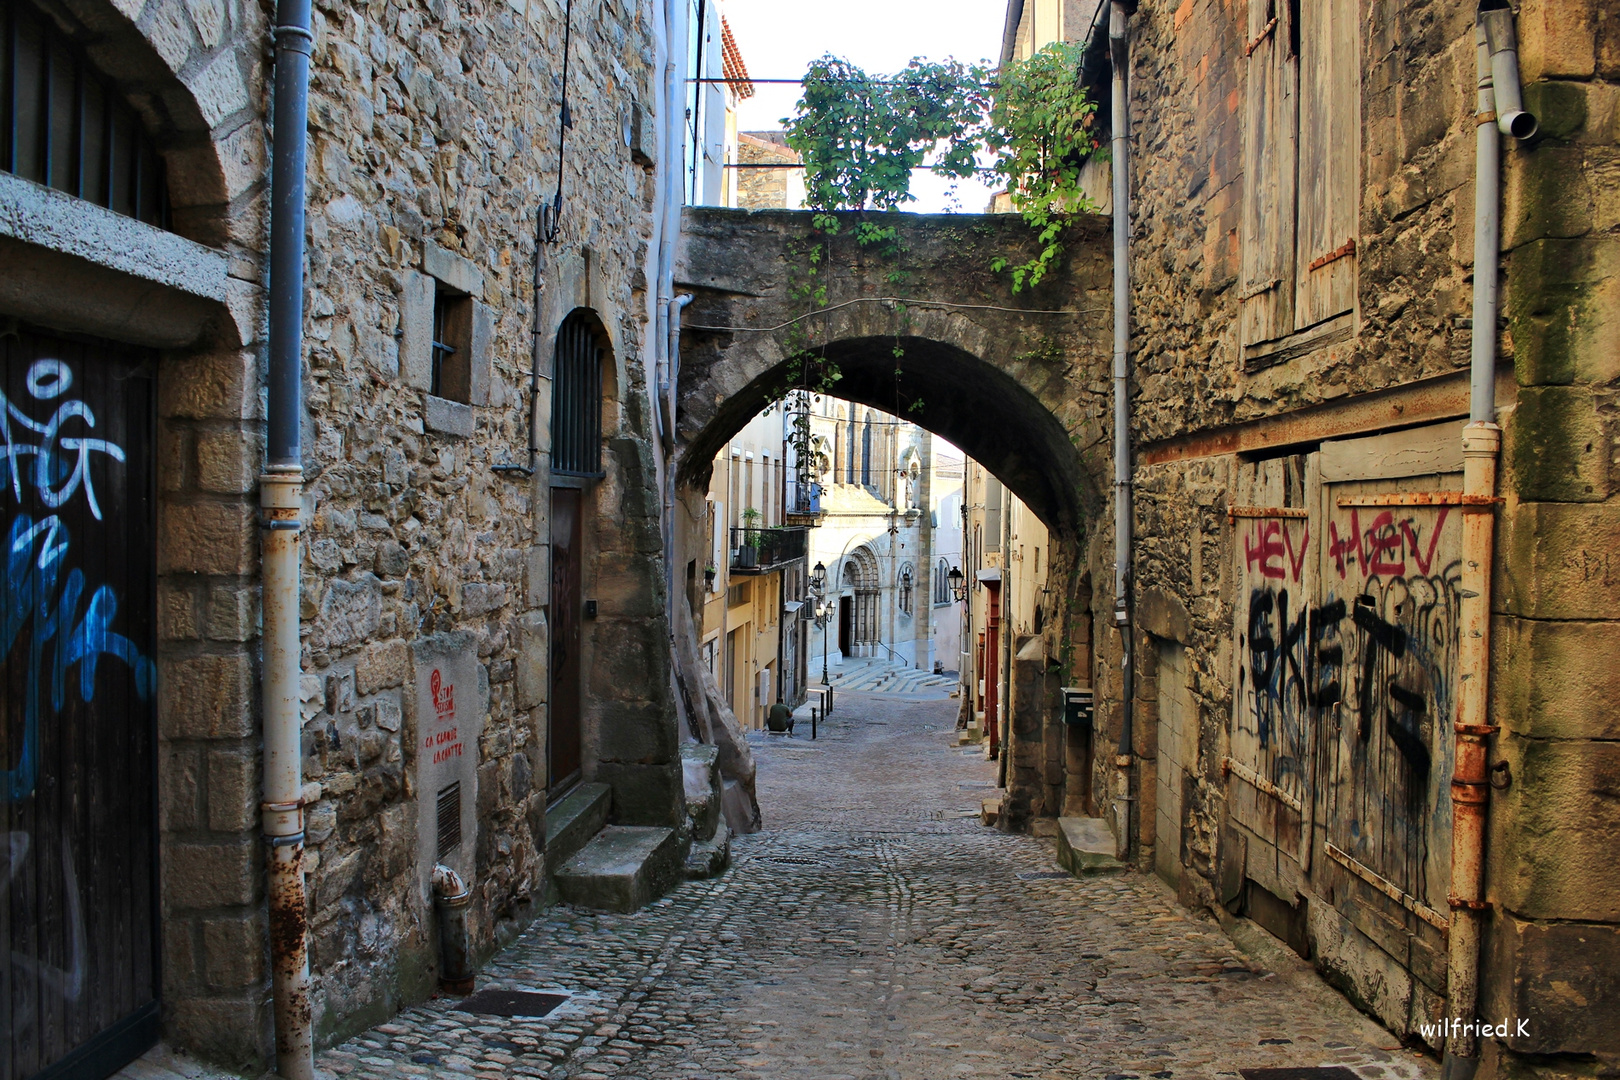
[
  {"x": 523, "y": 1003},
  {"x": 1320, "y": 1072},
  {"x": 1041, "y": 875}
]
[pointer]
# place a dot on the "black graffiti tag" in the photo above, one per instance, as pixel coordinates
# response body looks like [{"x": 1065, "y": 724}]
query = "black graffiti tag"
[
  {"x": 1326, "y": 654},
  {"x": 1403, "y": 718}
]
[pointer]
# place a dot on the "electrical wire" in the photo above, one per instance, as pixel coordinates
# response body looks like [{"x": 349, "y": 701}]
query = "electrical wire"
[
  {"x": 552, "y": 229},
  {"x": 896, "y": 300}
]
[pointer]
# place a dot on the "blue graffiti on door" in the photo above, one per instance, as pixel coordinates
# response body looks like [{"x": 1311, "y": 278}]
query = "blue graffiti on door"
[{"x": 42, "y": 594}]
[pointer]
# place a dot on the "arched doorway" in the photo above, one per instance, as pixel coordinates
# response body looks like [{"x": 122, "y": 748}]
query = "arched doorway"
[{"x": 576, "y": 467}]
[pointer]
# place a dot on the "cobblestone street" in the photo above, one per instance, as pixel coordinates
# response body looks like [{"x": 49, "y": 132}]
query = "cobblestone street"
[{"x": 877, "y": 929}]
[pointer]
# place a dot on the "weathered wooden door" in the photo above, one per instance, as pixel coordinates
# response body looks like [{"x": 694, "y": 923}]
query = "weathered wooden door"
[
  {"x": 78, "y": 822},
  {"x": 1391, "y": 572},
  {"x": 1275, "y": 718},
  {"x": 563, "y": 757}
]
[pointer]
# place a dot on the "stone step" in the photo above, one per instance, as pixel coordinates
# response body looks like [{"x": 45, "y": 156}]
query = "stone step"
[
  {"x": 1086, "y": 846},
  {"x": 623, "y": 868},
  {"x": 572, "y": 822}
]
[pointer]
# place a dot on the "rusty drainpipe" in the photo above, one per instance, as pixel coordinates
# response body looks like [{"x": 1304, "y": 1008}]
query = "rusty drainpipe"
[
  {"x": 281, "y": 498},
  {"x": 1499, "y": 109}
]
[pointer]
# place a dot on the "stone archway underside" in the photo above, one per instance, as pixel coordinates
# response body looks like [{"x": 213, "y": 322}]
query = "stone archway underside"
[
  {"x": 1018, "y": 387},
  {"x": 1019, "y": 382}
]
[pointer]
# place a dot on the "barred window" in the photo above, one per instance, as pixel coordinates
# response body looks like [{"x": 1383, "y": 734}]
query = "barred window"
[
  {"x": 63, "y": 125},
  {"x": 576, "y": 399}
]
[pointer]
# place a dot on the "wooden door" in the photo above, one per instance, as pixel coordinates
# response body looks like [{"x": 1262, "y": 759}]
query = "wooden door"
[
  {"x": 567, "y": 639},
  {"x": 1391, "y": 572},
  {"x": 1275, "y": 719},
  {"x": 992, "y": 662},
  {"x": 78, "y": 778}
]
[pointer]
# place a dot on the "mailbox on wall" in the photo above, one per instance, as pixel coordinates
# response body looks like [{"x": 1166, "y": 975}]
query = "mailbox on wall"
[{"x": 1078, "y": 706}]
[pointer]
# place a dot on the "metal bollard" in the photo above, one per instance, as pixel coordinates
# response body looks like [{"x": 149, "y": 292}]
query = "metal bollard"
[{"x": 812, "y": 723}]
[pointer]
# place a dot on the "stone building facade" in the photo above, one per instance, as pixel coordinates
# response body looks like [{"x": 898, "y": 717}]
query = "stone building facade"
[
  {"x": 874, "y": 535},
  {"x": 753, "y": 638},
  {"x": 1302, "y": 281},
  {"x": 428, "y": 597}
]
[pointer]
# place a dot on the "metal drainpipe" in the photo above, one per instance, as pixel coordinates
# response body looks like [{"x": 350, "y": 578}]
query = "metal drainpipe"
[
  {"x": 281, "y": 496},
  {"x": 666, "y": 309},
  {"x": 1482, "y": 438},
  {"x": 673, "y": 368},
  {"x": 1004, "y": 643},
  {"x": 1120, "y": 55}
]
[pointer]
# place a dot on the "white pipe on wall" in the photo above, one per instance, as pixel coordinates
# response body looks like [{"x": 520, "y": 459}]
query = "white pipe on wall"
[{"x": 1499, "y": 110}]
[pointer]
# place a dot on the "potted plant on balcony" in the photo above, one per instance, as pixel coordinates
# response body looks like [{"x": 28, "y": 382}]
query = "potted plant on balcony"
[{"x": 752, "y": 540}]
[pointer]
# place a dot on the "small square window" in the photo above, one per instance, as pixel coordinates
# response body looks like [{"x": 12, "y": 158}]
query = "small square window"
[{"x": 452, "y": 344}]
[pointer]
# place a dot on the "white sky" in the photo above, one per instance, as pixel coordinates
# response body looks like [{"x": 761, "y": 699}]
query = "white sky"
[{"x": 778, "y": 40}]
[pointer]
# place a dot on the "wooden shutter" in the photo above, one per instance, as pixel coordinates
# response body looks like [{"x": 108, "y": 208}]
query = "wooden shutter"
[
  {"x": 1270, "y": 118},
  {"x": 1329, "y": 159}
]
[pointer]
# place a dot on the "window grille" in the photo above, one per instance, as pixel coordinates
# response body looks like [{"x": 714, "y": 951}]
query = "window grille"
[
  {"x": 576, "y": 400},
  {"x": 452, "y": 345},
  {"x": 905, "y": 590},
  {"x": 448, "y": 818},
  {"x": 942, "y": 582},
  {"x": 66, "y": 127}
]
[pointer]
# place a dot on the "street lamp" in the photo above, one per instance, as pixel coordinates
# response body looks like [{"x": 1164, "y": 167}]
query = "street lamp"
[
  {"x": 818, "y": 589},
  {"x": 958, "y": 583}
]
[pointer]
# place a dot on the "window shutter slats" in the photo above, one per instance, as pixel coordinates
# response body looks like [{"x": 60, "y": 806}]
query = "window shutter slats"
[{"x": 1329, "y": 160}]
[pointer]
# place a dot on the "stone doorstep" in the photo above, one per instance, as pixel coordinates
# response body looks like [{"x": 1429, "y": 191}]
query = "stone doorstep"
[
  {"x": 990, "y": 811},
  {"x": 572, "y": 822},
  {"x": 1086, "y": 846},
  {"x": 623, "y": 868}
]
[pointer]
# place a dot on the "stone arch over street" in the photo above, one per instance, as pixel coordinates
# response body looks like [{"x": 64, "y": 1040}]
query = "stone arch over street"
[{"x": 926, "y": 330}]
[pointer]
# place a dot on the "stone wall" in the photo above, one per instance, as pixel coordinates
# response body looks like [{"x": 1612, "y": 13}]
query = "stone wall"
[
  {"x": 1204, "y": 410},
  {"x": 433, "y": 141}
]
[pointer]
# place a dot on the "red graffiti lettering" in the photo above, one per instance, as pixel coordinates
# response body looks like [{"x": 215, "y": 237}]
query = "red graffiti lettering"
[
  {"x": 1424, "y": 559},
  {"x": 1296, "y": 563},
  {"x": 1265, "y": 548},
  {"x": 1382, "y": 536},
  {"x": 444, "y": 695},
  {"x": 1345, "y": 549}
]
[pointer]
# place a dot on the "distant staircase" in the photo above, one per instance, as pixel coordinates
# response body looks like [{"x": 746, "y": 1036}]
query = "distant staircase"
[{"x": 884, "y": 676}]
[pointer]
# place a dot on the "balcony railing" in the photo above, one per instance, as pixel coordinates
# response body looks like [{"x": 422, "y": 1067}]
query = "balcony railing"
[{"x": 756, "y": 550}]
